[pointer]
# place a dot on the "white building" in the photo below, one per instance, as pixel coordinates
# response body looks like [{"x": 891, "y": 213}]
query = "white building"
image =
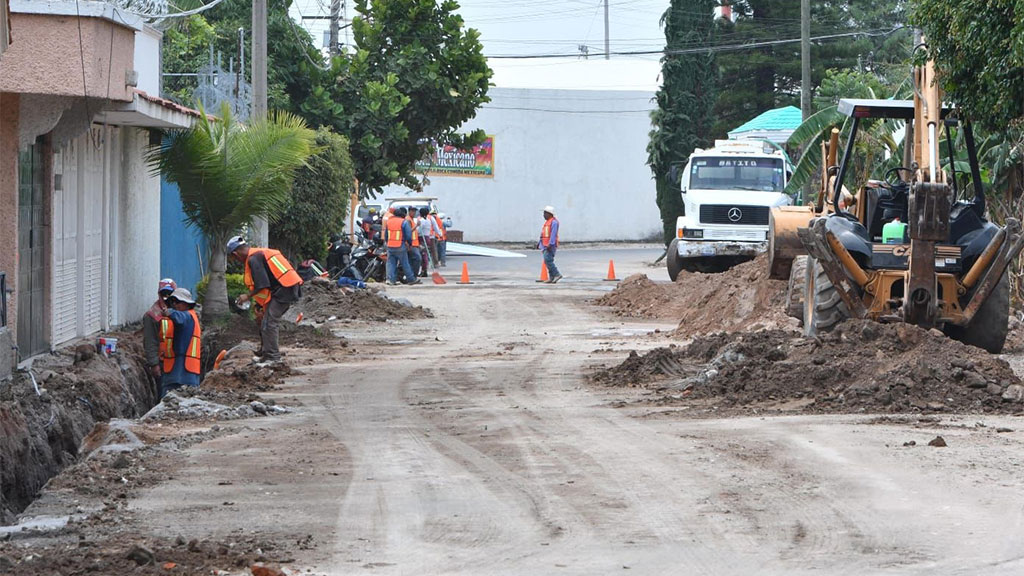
[{"x": 579, "y": 144}]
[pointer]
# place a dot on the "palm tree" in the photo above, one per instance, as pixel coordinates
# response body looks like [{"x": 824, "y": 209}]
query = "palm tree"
[{"x": 228, "y": 174}]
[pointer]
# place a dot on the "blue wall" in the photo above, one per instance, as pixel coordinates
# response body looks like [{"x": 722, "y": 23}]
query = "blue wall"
[{"x": 178, "y": 256}]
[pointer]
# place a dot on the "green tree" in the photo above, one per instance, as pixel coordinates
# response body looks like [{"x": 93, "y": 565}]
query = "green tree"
[
  {"x": 292, "y": 59},
  {"x": 416, "y": 76},
  {"x": 228, "y": 174},
  {"x": 319, "y": 200},
  {"x": 978, "y": 49},
  {"x": 682, "y": 121},
  {"x": 758, "y": 79}
]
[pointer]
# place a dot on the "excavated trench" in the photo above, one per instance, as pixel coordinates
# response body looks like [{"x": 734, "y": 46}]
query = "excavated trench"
[{"x": 45, "y": 413}]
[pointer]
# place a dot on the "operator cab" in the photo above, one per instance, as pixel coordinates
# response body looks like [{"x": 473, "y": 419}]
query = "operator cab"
[{"x": 882, "y": 201}]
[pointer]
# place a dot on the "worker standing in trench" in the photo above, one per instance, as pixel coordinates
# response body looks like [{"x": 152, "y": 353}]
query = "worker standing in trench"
[
  {"x": 151, "y": 330},
  {"x": 273, "y": 286},
  {"x": 549, "y": 243},
  {"x": 180, "y": 344}
]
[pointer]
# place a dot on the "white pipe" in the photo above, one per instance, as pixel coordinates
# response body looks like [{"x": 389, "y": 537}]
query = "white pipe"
[{"x": 931, "y": 152}]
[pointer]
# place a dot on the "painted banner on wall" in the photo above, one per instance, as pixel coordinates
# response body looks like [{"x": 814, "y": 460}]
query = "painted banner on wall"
[{"x": 450, "y": 161}]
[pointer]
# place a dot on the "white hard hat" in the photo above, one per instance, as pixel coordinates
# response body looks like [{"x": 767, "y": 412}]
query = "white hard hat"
[{"x": 550, "y": 210}]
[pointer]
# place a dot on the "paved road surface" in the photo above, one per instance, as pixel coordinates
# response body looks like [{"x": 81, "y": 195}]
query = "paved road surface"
[{"x": 471, "y": 444}]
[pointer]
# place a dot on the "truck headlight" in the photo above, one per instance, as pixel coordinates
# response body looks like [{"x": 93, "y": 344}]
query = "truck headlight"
[{"x": 692, "y": 233}]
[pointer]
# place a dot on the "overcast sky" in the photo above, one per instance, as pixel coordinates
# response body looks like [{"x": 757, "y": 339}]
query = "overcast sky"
[{"x": 525, "y": 27}]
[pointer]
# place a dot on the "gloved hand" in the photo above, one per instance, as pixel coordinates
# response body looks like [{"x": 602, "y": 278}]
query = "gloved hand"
[{"x": 155, "y": 372}]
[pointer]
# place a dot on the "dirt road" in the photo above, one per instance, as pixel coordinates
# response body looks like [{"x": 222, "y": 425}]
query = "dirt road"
[{"x": 471, "y": 443}]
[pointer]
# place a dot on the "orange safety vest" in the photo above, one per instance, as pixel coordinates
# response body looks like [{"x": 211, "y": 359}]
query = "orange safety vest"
[
  {"x": 394, "y": 230},
  {"x": 440, "y": 226},
  {"x": 545, "y": 233},
  {"x": 279, "y": 266},
  {"x": 193, "y": 352},
  {"x": 415, "y": 224}
]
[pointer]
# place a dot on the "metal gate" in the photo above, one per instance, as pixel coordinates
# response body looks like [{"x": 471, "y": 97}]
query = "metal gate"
[{"x": 31, "y": 258}]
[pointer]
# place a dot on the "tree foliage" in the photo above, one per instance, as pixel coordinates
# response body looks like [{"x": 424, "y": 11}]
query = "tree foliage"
[
  {"x": 416, "y": 76},
  {"x": 228, "y": 174},
  {"x": 292, "y": 58},
  {"x": 319, "y": 201},
  {"x": 682, "y": 121},
  {"x": 978, "y": 48},
  {"x": 759, "y": 79}
]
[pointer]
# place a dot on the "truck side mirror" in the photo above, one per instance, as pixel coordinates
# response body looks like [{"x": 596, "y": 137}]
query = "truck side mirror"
[{"x": 673, "y": 175}]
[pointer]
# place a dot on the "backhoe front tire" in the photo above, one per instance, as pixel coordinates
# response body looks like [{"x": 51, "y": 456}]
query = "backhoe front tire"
[
  {"x": 991, "y": 323},
  {"x": 796, "y": 292},
  {"x": 824, "y": 307}
]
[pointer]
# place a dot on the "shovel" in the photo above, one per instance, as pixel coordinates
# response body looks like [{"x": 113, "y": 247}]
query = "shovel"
[{"x": 438, "y": 279}]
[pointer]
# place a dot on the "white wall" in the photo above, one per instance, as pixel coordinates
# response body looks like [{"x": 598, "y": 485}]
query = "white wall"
[
  {"x": 138, "y": 246},
  {"x": 582, "y": 151},
  {"x": 147, "y": 59}
]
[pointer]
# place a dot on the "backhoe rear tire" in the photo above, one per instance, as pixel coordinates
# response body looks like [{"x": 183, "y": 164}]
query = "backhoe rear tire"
[
  {"x": 797, "y": 290},
  {"x": 990, "y": 324},
  {"x": 824, "y": 307}
]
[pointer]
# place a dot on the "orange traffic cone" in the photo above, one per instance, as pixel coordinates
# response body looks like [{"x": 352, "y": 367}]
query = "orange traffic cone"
[
  {"x": 543, "y": 272},
  {"x": 465, "y": 274},
  {"x": 611, "y": 272}
]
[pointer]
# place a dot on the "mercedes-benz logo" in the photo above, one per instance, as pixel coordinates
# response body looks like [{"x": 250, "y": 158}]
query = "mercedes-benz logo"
[{"x": 735, "y": 215}]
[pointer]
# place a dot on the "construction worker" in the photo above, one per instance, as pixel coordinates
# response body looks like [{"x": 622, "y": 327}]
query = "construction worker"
[
  {"x": 549, "y": 243},
  {"x": 151, "y": 329},
  {"x": 396, "y": 234},
  {"x": 427, "y": 223},
  {"x": 273, "y": 286},
  {"x": 441, "y": 233},
  {"x": 180, "y": 343},
  {"x": 423, "y": 231},
  {"x": 414, "y": 242}
]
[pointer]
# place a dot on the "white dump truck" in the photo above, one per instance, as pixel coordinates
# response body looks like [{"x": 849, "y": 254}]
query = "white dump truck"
[{"x": 728, "y": 193}]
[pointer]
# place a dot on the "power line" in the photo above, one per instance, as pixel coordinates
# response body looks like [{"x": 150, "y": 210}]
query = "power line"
[
  {"x": 701, "y": 50},
  {"x": 551, "y": 110}
]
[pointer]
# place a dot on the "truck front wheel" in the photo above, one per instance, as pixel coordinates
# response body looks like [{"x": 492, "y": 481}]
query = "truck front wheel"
[{"x": 675, "y": 266}]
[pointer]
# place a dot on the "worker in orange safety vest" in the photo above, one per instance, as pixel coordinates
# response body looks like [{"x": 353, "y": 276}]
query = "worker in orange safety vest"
[
  {"x": 441, "y": 237},
  {"x": 273, "y": 287},
  {"x": 180, "y": 342},
  {"x": 549, "y": 243}
]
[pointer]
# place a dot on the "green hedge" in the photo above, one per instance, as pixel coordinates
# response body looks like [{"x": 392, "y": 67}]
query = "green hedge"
[{"x": 236, "y": 287}]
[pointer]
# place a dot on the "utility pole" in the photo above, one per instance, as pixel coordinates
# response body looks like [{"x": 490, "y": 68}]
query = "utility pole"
[
  {"x": 261, "y": 230},
  {"x": 607, "y": 49},
  {"x": 805, "y": 59},
  {"x": 333, "y": 49}
]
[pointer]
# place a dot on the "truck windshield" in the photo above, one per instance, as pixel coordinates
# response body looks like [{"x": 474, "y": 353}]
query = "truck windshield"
[{"x": 759, "y": 174}]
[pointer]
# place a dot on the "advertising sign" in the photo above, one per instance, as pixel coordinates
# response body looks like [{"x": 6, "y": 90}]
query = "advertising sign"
[{"x": 450, "y": 161}]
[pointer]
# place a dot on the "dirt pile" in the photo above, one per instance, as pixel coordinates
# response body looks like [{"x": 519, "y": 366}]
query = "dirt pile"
[
  {"x": 322, "y": 300},
  {"x": 743, "y": 297},
  {"x": 43, "y": 421},
  {"x": 862, "y": 366}
]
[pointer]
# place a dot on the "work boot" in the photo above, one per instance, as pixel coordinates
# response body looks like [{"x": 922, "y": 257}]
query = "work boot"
[{"x": 556, "y": 278}]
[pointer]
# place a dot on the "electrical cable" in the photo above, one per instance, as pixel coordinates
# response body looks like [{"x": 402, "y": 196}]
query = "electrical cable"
[{"x": 701, "y": 50}]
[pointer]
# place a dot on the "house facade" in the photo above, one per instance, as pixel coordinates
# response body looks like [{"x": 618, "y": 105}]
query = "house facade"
[{"x": 78, "y": 204}]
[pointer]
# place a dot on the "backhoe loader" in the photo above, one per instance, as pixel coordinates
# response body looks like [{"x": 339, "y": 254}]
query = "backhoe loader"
[{"x": 915, "y": 247}]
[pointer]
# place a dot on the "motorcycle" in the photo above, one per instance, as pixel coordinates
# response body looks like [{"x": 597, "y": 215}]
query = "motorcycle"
[{"x": 368, "y": 261}]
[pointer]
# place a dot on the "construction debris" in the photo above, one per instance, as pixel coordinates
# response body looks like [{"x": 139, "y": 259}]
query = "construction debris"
[
  {"x": 323, "y": 301},
  {"x": 741, "y": 298},
  {"x": 862, "y": 366}
]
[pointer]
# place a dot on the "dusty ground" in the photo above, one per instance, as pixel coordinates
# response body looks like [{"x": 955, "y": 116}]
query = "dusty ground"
[{"x": 474, "y": 443}]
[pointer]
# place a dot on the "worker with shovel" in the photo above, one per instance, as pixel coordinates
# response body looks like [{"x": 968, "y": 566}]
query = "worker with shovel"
[{"x": 273, "y": 286}]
